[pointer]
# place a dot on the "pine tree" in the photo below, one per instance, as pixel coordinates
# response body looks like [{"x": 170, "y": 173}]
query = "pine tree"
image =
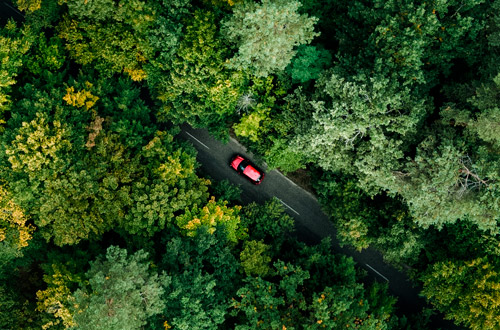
[
  {"x": 266, "y": 34},
  {"x": 122, "y": 292}
]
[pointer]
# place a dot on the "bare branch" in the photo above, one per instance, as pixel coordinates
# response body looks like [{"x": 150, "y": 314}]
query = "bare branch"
[
  {"x": 468, "y": 179},
  {"x": 244, "y": 102}
]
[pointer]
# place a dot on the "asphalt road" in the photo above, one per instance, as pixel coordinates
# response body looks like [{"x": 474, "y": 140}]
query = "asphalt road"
[
  {"x": 311, "y": 223},
  {"x": 7, "y": 10}
]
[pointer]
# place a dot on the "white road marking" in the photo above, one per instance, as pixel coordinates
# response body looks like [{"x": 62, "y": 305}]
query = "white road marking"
[
  {"x": 288, "y": 206},
  {"x": 385, "y": 278},
  {"x": 13, "y": 8},
  {"x": 203, "y": 144}
]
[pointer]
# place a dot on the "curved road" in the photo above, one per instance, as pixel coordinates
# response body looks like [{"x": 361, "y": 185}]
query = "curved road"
[{"x": 311, "y": 223}]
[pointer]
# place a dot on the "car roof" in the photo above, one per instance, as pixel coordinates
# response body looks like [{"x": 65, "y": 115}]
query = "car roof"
[{"x": 252, "y": 173}]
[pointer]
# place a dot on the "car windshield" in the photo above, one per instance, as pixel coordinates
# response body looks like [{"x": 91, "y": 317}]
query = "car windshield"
[{"x": 243, "y": 165}]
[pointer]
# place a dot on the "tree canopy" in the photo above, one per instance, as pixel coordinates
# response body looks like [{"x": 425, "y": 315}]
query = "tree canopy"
[{"x": 387, "y": 111}]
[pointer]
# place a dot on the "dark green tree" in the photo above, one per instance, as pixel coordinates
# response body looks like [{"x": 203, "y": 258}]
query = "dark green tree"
[
  {"x": 308, "y": 63},
  {"x": 112, "y": 37},
  {"x": 255, "y": 259},
  {"x": 204, "y": 272}
]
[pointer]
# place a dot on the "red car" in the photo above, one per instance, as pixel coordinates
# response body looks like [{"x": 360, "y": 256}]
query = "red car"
[{"x": 247, "y": 169}]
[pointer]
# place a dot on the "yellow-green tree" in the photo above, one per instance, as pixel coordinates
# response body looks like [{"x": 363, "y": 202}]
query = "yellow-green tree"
[
  {"x": 15, "y": 230},
  {"x": 214, "y": 215},
  {"x": 109, "y": 36},
  {"x": 467, "y": 291},
  {"x": 12, "y": 48}
]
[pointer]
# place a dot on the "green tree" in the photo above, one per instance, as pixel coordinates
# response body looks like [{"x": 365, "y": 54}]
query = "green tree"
[
  {"x": 360, "y": 126},
  {"x": 63, "y": 273},
  {"x": 336, "y": 298},
  {"x": 13, "y": 46},
  {"x": 254, "y": 258},
  {"x": 266, "y": 33},
  {"x": 410, "y": 42},
  {"x": 47, "y": 54},
  {"x": 83, "y": 164},
  {"x": 308, "y": 63},
  {"x": 122, "y": 292},
  {"x": 110, "y": 36},
  {"x": 15, "y": 230},
  {"x": 314, "y": 290},
  {"x": 29, "y": 5},
  {"x": 197, "y": 87},
  {"x": 271, "y": 305},
  {"x": 467, "y": 291},
  {"x": 294, "y": 118},
  {"x": 204, "y": 272},
  {"x": 212, "y": 216},
  {"x": 226, "y": 190},
  {"x": 257, "y": 107},
  {"x": 444, "y": 183},
  {"x": 267, "y": 223}
]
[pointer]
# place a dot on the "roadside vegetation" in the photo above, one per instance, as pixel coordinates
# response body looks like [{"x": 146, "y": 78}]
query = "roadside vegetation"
[{"x": 391, "y": 108}]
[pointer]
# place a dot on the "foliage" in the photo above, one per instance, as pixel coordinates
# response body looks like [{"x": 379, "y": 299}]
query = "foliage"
[
  {"x": 267, "y": 222},
  {"x": 47, "y": 54},
  {"x": 122, "y": 292},
  {"x": 443, "y": 184},
  {"x": 308, "y": 63},
  {"x": 198, "y": 88},
  {"x": 250, "y": 125},
  {"x": 283, "y": 157},
  {"x": 29, "y": 5},
  {"x": 13, "y": 46},
  {"x": 262, "y": 98},
  {"x": 212, "y": 216},
  {"x": 467, "y": 291},
  {"x": 411, "y": 42},
  {"x": 350, "y": 210},
  {"x": 254, "y": 258},
  {"x": 293, "y": 117},
  {"x": 315, "y": 290},
  {"x": 226, "y": 190},
  {"x": 15, "y": 231},
  {"x": 93, "y": 174},
  {"x": 15, "y": 310},
  {"x": 222, "y": 3},
  {"x": 402, "y": 242},
  {"x": 364, "y": 221},
  {"x": 63, "y": 273},
  {"x": 396, "y": 106},
  {"x": 338, "y": 299},
  {"x": 358, "y": 125},
  {"x": 204, "y": 272},
  {"x": 110, "y": 36},
  {"x": 266, "y": 34},
  {"x": 262, "y": 303}
]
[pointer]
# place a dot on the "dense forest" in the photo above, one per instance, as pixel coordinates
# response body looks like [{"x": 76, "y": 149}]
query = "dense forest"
[{"x": 390, "y": 107}]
